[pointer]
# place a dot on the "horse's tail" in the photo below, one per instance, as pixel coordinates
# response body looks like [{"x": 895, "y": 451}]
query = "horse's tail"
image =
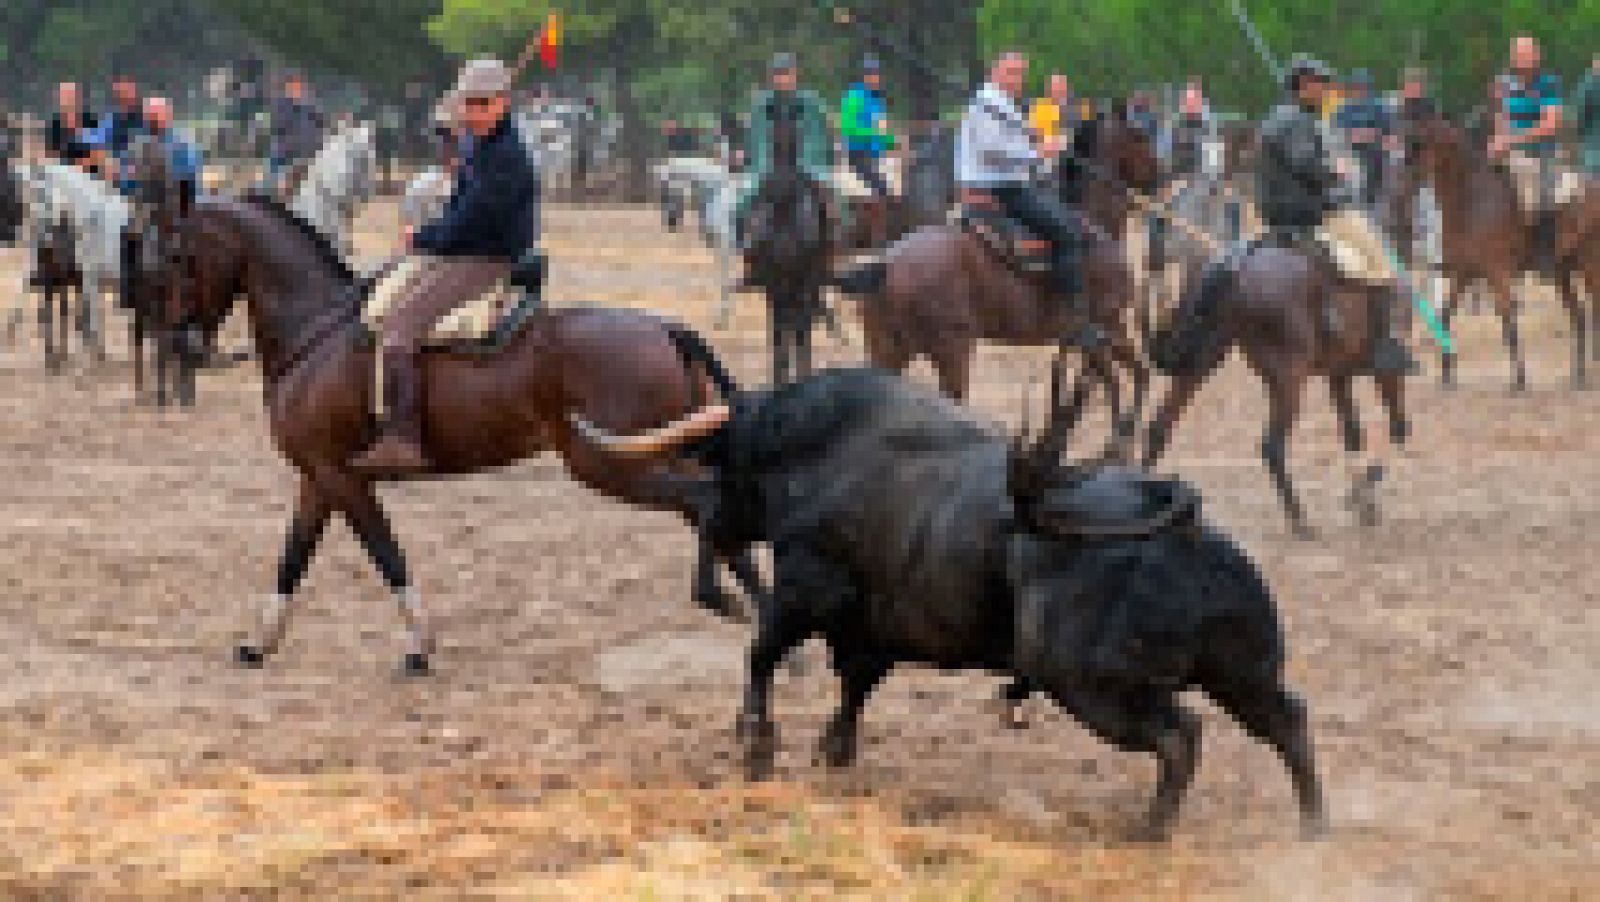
[
  {"x": 869, "y": 278},
  {"x": 1194, "y": 339},
  {"x": 696, "y": 351}
]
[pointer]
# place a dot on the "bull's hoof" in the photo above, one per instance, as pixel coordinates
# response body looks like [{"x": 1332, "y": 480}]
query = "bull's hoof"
[
  {"x": 249, "y": 656},
  {"x": 416, "y": 664},
  {"x": 1152, "y": 830},
  {"x": 722, "y": 605},
  {"x": 837, "y": 749},
  {"x": 760, "y": 750}
]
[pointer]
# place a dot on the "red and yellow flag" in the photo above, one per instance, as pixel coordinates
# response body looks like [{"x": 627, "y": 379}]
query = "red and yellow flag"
[{"x": 550, "y": 41}]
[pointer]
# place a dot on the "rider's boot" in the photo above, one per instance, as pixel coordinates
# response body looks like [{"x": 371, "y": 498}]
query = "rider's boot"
[
  {"x": 399, "y": 449},
  {"x": 1389, "y": 354}
]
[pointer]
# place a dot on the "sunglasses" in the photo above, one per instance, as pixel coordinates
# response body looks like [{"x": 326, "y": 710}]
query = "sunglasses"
[{"x": 481, "y": 101}]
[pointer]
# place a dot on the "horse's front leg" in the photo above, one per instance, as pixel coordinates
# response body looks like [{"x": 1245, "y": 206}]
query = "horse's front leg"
[{"x": 311, "y": 516}]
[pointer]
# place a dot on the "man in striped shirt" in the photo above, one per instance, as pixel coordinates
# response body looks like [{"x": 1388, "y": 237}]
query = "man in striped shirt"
[{"x": 1525, "y": 136}]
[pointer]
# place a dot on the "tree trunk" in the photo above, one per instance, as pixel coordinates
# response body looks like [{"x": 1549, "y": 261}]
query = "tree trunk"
[{"x": 634, "y": 142}]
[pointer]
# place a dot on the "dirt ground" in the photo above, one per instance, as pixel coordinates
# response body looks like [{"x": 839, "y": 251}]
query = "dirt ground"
[{"x": 577, "y": 743}]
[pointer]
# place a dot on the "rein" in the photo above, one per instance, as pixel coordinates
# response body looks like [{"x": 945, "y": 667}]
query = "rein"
[{"x": 322, "y": 328}]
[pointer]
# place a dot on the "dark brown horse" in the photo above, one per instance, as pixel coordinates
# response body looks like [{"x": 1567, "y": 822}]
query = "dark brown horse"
[
  {"x": 160, "y": 202},
  {"x": 485, "y": 408},
  {"x": 59, "y": 281},
  {"x": 1293, "y": 318},
  {"x": 938, "y": 292},
  {"x": 1486, "y": 239},
  {"x": 788, "y": 251}
]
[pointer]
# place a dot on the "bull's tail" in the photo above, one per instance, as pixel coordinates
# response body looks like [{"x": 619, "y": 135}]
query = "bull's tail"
[
  {"x": 697, "y": 352},
  {"x": 1195, "y": 338},
  {"x": 868, "y": 278}
]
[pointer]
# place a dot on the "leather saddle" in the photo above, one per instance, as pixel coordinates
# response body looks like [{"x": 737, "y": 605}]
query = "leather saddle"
[
  {"x": 1013, "y": 244},
  {"x": 485, "y": 324},
  {"x": 1114, "y": 503}
]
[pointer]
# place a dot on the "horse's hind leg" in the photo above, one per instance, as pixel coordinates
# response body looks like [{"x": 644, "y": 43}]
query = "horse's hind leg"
[
  {"x": 1128, "y": 358},
  {"x": 311, "y": 516},
  {"x": 1447, "y": 358},
  {"x": 1506, "y": 305},
  {"x": 1277, "y": 717},
  {"x": 370, "y": 523},
  {"x": 1284, "y": 389},
  {"x": 1580, "y": 327},
  {"x": 1363, "y": 497}
]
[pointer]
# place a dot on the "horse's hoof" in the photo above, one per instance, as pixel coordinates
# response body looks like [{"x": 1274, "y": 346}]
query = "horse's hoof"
[
  {"x": 416, "y": 665},
  {"x": 1314, "y": 828},
  {"x": 250, "y": 656}
]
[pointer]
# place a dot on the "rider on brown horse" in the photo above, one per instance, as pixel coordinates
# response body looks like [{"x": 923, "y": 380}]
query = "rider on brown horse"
[
  {"x": 1300, "y": 184},
  {"x": 490, "y": 222},
  {"x": 995, "y": 162}
]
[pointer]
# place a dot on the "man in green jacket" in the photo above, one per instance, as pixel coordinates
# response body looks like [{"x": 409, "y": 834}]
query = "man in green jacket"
[
  {"x": 1588, "y": 110},
  {"x": 785, "y": 100}
]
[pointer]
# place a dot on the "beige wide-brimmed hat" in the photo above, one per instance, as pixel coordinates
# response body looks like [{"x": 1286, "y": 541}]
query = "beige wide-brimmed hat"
[{"x": 483, "y": 77}]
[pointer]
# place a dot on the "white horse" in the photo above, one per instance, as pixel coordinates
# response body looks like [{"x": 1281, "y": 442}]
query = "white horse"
[
  {"x": 338, "y": 181},
  {"x": 708, "y": 187},
  {"x": 97, "y": 215}
]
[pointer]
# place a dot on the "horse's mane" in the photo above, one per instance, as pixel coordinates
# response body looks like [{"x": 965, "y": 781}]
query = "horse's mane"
[{"x": 320, "y": 243}]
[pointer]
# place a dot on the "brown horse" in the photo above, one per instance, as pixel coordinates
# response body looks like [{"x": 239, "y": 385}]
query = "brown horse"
[
  {"x": 1293, "y": 317},
  {"x": 1486, "y": 239},
  {"x": 938, "y": 292},
  {"x": 486, "y": 408}
]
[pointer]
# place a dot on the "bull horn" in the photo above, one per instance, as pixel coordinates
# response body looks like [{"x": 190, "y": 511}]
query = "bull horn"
[{"x": 657, "y": 442}]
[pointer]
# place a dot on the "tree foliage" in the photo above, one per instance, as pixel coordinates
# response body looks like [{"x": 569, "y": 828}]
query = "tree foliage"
[{"x": 1111, "y": 45}]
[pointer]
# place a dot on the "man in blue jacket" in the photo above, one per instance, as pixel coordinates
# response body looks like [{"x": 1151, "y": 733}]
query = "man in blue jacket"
[{"x": 489, "y": 222}]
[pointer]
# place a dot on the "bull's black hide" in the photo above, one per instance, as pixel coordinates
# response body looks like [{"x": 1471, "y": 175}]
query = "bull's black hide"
[{"x": 898, "y": 535}]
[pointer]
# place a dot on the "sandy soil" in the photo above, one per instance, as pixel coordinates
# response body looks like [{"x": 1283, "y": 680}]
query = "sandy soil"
[{"x": 576, "y": 742}]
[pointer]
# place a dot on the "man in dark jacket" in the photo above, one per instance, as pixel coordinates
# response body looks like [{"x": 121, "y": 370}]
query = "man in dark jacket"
[
  {"x": 490, "y": 221},
  {"x": 66, "y": 138},
  {"x": 297, "y": 125}
]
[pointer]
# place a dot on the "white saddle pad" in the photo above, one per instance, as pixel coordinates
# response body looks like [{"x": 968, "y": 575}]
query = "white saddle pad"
[
  {"x": 851, "y": 185},
  {"x": 1355, "y": 245}
]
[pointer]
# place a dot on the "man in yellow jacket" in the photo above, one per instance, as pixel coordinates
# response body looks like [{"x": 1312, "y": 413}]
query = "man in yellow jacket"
[{"x": 1053, "y": 118}]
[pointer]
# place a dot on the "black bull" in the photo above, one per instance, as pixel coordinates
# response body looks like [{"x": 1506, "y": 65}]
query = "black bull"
[{"x": 904, "y": 532}]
